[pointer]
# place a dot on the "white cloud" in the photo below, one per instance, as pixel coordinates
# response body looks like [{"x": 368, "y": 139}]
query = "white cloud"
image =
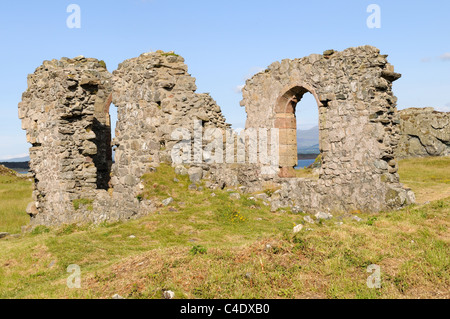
[
  {"x": 250, "y": 74},
  {"x": 445, "y": 108},
  {"x": 8, "y": 157},
  {"x": 238, "y": 89},
  {"x": 253, "y": 71},
  {"x": 445, "y": 56},
  {"x": 442, "y": 57}
]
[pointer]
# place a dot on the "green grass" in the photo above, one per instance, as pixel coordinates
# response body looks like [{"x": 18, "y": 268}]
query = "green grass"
[
  {"x": 15, "y": 194},
  {"x": 77, "y": 203},
  {"x": 428, "y": 177},
  {"x": 205, "y": 246}
]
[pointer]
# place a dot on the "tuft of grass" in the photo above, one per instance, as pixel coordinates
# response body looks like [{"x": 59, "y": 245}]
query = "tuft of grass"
[
  {"x": 40, "y": 230},
  {"x": 198, "y": 249},
  {"x": 169, "y": 54},
  {"x": 77, "y": 203}
]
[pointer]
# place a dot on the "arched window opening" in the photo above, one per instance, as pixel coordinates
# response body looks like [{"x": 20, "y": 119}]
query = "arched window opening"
[
  {"x": 307, "y": 118},
  {"x": 292, "y": 140}
]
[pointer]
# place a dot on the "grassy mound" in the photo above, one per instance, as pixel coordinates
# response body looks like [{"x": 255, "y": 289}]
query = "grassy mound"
[{"x": 207, "y": 245}]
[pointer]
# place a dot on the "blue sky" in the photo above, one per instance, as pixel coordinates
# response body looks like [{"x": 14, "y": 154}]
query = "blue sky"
[{"x": 223, "y": 42}]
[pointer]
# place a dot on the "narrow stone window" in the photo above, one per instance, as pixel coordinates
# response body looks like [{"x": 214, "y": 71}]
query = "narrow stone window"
[
  {"x": 307, "y": 118},
  {"x": 286, "y": 122}
]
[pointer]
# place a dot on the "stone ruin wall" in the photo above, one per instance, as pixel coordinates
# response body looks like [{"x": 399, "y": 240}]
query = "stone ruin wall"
[
  {"x": 66, "y": 114},
  {"x": 155, "y": 95},
  {"x": 424, "y": 132},
  {"x": 358, "y": 125}
]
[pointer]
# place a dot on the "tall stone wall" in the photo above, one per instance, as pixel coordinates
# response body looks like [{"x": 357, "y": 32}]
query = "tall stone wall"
[
  {"x": 64, "y": 112},
  {"x": 358, "y": 124},
  {"x": 155, "y": 96},
  {"x": 424, "y": 132}
]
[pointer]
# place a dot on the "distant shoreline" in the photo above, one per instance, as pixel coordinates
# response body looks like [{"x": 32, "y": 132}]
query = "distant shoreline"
[
  {"x": 307, "y": 156},
  {"x": 23, "y": 167},
  {"x": 20, "y": 167}
]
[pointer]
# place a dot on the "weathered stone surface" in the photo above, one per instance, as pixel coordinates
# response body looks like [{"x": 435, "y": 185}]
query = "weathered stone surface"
[
  {"x": 181, "y": 170},
  {"x": 65, "y": 114},
  {"x": 195, "y": 174},
  {"x": 32, "y": 209},
  {"x": 322, "y": 215},
  {"x": 155, "y": 96},
  {"x": 424, "y": 132},
  {"x": 235, "y": 196}
]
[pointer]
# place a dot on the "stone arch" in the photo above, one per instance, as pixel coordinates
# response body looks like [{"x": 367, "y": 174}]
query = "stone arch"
[
  {"x": 358, "y": 125},
  {"x": 285, "y": 122}
]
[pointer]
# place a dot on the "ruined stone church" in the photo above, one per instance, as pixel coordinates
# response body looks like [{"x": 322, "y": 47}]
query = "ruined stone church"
[{"x": 65, "y": 112}]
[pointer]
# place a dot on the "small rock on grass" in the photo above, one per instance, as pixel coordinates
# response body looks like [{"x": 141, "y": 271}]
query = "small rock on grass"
[
  {"x": 195, "y": 174},
  {"x": 181, "y": 170},
  {"x": 298, "y": 228},
  {"x": 296, "y": 209},
  {"x": 167, "y": 201},
  {"x": 3, "y": 235},
  {"x": 358, "y": 219},
  {"x": 322, "y": 215},
  {"x": 117, "y": 296},
  {"x": 235, "y": 196},
  {"x": 308, "y": 219},
  {"x": 168, "y": 294}
]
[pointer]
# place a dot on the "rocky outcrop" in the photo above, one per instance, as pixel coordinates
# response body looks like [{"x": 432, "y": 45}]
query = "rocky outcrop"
[{"x": 424, "y": 132}]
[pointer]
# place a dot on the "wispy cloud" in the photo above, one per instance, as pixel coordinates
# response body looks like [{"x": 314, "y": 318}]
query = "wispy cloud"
[
  {"x": 8, "y": 157},
  {"x": 445, "y": 56},
  {"x": 445, "y": 108},
  {"x": 442, "y": 57},
  {"x": 238, "y": 89},
  {"x": 250, "y": 73}
]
